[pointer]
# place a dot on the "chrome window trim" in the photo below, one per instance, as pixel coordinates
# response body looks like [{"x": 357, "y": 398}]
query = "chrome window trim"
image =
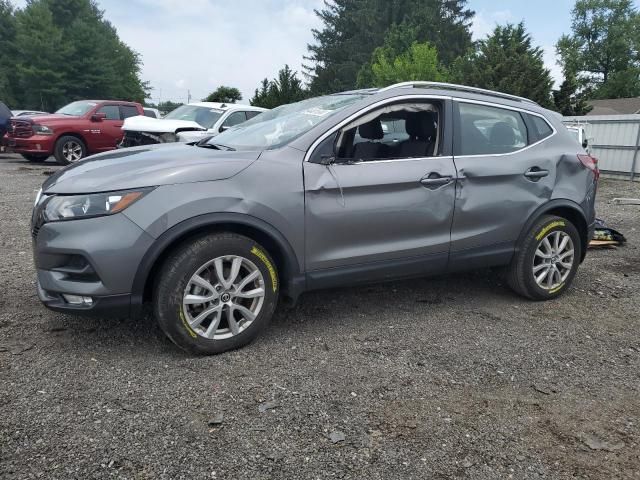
[
  {"x": 506, "y": 107},
  {"x": 388, "y": 160},
  {"x": 367, "y": 109}
]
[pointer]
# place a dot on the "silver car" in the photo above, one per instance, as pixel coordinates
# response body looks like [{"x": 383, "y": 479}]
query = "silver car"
[{"x": 366, "y": 186}]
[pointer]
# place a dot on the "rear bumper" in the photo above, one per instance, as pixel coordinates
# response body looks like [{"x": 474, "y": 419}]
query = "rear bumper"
[{"x": 37, "y": 144}]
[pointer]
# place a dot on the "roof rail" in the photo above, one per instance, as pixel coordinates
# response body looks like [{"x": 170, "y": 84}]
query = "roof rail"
[{"x": 453, "y": 86}]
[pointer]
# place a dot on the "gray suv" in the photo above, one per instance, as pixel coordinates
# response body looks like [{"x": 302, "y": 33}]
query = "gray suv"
[{"x": 411, "y": 180}]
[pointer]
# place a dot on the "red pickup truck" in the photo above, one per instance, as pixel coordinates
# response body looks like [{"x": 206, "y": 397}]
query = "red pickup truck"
[{"x": 73, "y": 132}]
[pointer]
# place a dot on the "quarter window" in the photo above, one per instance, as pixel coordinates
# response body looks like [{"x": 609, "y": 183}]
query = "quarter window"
[
  {"x": 540, "y": 128},
  {"x": 485, "y": 130},
  {"x": 112, "y": 112}
]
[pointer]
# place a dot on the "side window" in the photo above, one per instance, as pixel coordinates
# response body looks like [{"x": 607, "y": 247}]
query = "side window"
[
  {"x": 234, "y": 119},
  {"x": 150, "y": 113},
  {"x": 485, "y": 130},
  {"x": 251, "y": 114},
  {"x": 540, "y": 128},
  {"x": 112, "y": 112},
  {"x": 397, "y": 131},
  {"x": 128, "y": 111}
]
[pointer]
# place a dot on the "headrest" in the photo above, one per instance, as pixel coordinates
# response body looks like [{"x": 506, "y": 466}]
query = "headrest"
[
  {"x": 421, "y": 125},
  {"x": 502, "y": 134},
  {"x": 371, "y": 130}
]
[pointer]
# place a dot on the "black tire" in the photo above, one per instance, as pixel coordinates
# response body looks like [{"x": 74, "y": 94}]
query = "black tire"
[
  {"x": 183, "y": 263},
  {"x": 34, "y": 158},
  {"x": 66, "y": 141},
  {"x": 520, "y": 273}
]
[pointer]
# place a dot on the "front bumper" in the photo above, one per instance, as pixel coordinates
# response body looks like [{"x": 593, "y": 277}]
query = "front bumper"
[
  {"x": 95, "y": 258},
  {"x": 36, "y": 144}
]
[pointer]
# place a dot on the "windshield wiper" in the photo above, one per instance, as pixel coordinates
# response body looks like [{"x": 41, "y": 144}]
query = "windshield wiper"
[{"x": 217, "y": 146}]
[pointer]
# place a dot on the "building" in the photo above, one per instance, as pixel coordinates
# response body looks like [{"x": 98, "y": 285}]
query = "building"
[{"x": 615, "y": 106}]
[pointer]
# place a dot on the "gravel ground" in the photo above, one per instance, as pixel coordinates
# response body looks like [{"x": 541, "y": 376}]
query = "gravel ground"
[{"x": 453, "y": 377}]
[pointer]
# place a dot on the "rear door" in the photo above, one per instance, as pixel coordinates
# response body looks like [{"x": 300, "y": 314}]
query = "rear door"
[
  {"x": 381, "y": 215},
  {"x": 505, "y": 171}
]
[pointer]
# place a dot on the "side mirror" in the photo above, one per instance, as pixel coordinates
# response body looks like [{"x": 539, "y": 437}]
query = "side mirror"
[
  {"x": 585, "y": 143},
  {"x": 98, "y": 117},
  {"x": 224, "y": 128}
]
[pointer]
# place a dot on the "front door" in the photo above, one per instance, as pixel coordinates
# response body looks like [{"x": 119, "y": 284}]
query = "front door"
[
  {"x": 385, "y": 206},
  {"x": 107, "y": 133}
]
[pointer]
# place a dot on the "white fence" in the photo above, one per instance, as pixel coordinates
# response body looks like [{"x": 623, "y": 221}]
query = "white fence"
[{"x": 614, "y": 141}]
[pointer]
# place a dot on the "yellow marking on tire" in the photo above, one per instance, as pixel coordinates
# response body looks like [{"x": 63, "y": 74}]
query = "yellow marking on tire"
[
  {"x": 186, "y": 325},
  {"x": 557, "y": 288},
  {"x": 272, "y": 271},
  {"x": 545, "y": 230}
]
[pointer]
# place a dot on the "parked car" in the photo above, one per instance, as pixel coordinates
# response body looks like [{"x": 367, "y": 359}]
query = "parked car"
[
  {"x": 5, "y": 115},
  {"x": 152, "y": 112},
  {"x": 580, "y": 135},
  {"x": 187, "y": 123},
  {"x": 22, "y": 113},
  {"x": 315, "y": 195},
  {"x": 73, "y": 132}
]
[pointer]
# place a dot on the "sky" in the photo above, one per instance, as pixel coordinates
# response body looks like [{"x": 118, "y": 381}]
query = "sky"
[{"x": 193, "y": 46}]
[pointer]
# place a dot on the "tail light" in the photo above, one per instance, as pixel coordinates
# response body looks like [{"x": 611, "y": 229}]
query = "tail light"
[{"x": 590, "y": 163}]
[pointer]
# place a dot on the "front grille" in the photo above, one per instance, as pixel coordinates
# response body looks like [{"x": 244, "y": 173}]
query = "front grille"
[{"x": 20, "y": 129}]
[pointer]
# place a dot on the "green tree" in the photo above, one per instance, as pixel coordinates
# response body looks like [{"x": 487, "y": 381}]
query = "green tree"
[
  {"x": 224, "y": 95},
  {"x": 419, "y": 62},
  {"x": 569, "y": 99},
  {"x": 8, "y": 53},
  {"x": 68, "y": 51},
  {"x": 604, "y": 47},
  {"x": 506, "y": 61},
  {"x": 353, "y": 29},
  {"x": 286, "y": 88}
]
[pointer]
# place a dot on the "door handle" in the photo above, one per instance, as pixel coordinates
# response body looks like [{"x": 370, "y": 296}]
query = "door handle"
[
  {"x": 435, "y": 180},
  {"x": 536, "y": 173}
]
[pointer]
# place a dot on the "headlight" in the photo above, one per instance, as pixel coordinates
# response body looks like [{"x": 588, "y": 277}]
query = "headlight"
[
  {"x": 72, "y": 207},
  {"x": 41, "y": 130}
]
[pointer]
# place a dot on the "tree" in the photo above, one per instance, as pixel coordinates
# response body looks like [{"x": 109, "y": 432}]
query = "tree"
[
  {"x": 604, "y": 47},
  {"x": 569, "y": 100},
  {"x": 8, "y": 53},
  {"x": 419, "y": 62},
  {"x": 506, "y": 61},
  {"x": 353, "y": 29},
  {"x": 286, "y": 88},
  {"x": 68, "y": 51},
  {"x": 224, "y": 95}
]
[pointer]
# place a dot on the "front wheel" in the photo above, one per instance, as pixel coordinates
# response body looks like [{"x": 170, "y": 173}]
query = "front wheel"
[
  {"x": 547, "y": 260},
  {"x": 216, "y": 293},
  {"x": 69, "y": 149}
]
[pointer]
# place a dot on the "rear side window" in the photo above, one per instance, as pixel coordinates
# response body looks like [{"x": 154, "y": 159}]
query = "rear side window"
[
  {"x": 112, "y": 112},
  {"x": 486, "y": 130},
  {"x": 128, "y": 111},
  {"x": 540, "y": 129}
]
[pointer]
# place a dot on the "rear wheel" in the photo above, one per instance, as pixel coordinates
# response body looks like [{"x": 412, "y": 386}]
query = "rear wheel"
[
  {"x": 216, "y": 293},
  {"x": 34, "y": 158},
  {"x": 547, "y": 260},
  {"x": 69, "y": 149}
]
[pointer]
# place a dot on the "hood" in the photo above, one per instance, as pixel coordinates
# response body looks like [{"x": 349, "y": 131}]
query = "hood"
[
  {"x": 50, "y": 118},
  {"x": 141, "y": 123},
  {"x": 148, "y": 166}
]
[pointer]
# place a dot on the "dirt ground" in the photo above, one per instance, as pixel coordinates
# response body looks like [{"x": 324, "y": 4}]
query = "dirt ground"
[{"x": 452, "y": 377}]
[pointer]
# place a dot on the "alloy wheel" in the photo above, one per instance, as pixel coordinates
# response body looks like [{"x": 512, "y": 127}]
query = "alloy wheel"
[
  {"x": 553, "y": 260},
  {"x": 72, "y": 151},
  {"x": 223, "y": 297}
]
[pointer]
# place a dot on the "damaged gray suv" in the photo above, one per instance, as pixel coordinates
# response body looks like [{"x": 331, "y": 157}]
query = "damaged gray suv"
[{"x": 411, "y": 180}]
